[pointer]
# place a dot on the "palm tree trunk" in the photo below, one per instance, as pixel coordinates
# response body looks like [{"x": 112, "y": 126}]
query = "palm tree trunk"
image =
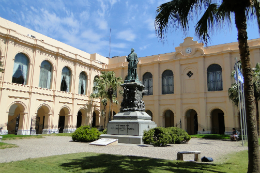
[
  {"x": 253, "y": 148},
  {"x": 257, "y": 115}
]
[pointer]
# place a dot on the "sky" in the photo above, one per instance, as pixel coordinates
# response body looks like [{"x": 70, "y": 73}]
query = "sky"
[{"x": 86, "y": 25}]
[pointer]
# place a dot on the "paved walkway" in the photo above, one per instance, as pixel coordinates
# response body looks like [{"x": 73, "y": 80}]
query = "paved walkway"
[{"x": 58, "y": 145}]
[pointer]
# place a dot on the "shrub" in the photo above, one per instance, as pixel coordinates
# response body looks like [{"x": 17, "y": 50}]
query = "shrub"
[
  {"x": 105, "y": 131},
  {"x": 158, "y": 136},
  {"x": 178, "y": 136},
  {"x": 85, "y": 134}
]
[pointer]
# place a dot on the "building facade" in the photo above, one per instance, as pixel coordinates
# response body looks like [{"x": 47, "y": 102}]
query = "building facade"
[{"x": 46, "y": 84}]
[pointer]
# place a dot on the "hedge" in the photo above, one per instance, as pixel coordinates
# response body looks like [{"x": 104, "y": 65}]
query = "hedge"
[
  {"x": 86, "y": 134},
  {"x": 161, "y": 136}
]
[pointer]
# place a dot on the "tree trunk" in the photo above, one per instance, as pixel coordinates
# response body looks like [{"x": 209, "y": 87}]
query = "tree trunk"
[
  {"x": 253, "y": 148},
  {"x": 112, "y": 111},
  {"x": 257, "y": 115}
]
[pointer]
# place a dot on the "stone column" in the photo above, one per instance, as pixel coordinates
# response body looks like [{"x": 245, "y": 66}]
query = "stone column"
[
  {"x": 47, "y": 125},
  {"x": 22, "y": 125},
  {"x": 33, "y": 124},
  {"x": 67, "y": 126}
]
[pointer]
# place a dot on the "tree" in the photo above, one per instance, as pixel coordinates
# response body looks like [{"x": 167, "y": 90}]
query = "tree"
[
  {"x": 179, "y": 12},
  {"x": 105, "y": 88},
  {"x": 233, "y": 91}
]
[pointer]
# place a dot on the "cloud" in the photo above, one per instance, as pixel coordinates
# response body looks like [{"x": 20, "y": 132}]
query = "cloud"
[
  {"x": 91, "y": 36},
  {"x": 112, "y": 2},
  {"x": 102, "y": 24},
  {"x": 84, "y": 15},
  {"x": 144, "y": 47},
  {"x": 126, "y": 35},
  {"x": 103, "y": 10},
  {"x": 150, "y": 23},
  {"x": 151, "y": 35},
  {"x": 119, "y": 45}
]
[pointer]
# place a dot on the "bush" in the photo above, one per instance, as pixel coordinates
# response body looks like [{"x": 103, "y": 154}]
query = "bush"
[
  {"x": 85, "y": 134},
  {"x": 105, "y": 131},
  {"x": 178, "y": 136},
  {"x": 158, "y": 136}
]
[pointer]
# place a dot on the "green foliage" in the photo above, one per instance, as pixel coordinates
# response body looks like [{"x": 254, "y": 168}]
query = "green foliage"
[
  {"x": 85, "y": 134},
  {"x": 95, "y": 162},
  {"x": 13, "y": 136},
  {"x": 161, "y": 136},
  {"x": 105, "y": 131},
  {"x": 158, "y": 136},
  {"x": 178, "y": 136},
  {"x": 5, "y": 145},
  {"x": 105, "y": 88},
  {"x": 211, "y": 136}
]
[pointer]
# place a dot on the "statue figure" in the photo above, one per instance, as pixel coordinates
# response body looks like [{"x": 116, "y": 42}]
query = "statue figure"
[{"x": 132, "y": 66}]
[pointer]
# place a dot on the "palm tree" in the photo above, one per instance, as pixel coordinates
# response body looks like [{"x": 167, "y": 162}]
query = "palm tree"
[
  {"x": 178, "y": 13},
  {"x": 105, "y": 88}
]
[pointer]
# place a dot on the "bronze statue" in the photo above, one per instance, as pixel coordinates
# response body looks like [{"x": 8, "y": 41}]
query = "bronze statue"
[{"x": 132, "y": 66}]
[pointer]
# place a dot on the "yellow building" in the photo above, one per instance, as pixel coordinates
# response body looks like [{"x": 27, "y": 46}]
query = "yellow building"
[{"x": 46, "y": 84}]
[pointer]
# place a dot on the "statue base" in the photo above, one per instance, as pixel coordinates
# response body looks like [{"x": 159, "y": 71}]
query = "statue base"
[{"x": 128, "y": 127}]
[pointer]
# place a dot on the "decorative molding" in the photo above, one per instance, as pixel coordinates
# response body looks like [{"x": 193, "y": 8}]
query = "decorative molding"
[
  {"x": 19, "y": 97},
  {"x": 81, "y": 103},
  {"x": 65, "y": 102},
  {"x": 44, "y": 100}
]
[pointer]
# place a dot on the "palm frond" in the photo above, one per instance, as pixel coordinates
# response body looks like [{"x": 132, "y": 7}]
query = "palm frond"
[
  {"x": 233, "y": 94},
  {"x": 254, "y": 11},
  {"x": 214, "y": 16},
  {"x": 207, "y": 22},
  {"x": 176, "y": 13}
]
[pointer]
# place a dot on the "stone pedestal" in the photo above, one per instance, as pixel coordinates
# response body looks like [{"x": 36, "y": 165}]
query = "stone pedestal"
[{"x": 128, "y": 125}]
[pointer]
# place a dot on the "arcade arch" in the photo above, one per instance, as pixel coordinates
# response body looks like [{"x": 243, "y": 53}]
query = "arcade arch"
[
  {"x": 217, "y": 121},
  {"x": 169, "y": 118},
  {"x": 15, "y": 118},
  {"x": 41, "y": 121},
  {"x": 191, "y": 117},
  {"x": 63, "y": 119}
]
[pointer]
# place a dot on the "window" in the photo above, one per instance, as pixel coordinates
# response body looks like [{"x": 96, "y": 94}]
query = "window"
[
  {"x": 148, "y": 83},
  {"x": 45, "y": 75},
  {"x": 167, "y": 82},
  {"x": 65, "y": 79},
  {"x": 214, "y": 77},
  {"x": 20, "y": 70},
  {"x": 82, "y": 83}
]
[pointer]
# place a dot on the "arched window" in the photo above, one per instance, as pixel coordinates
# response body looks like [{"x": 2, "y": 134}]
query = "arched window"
[
  {"x": 214, "y": 76},
  {"x": 65, "y": 79},
  {"x": 148, "y": 83},
  {"x": 20, "y": 71},
  {"x": 167, "y": 82},
  {"x": 45, "y": 75},
  {"x": 82, "y": 83}
]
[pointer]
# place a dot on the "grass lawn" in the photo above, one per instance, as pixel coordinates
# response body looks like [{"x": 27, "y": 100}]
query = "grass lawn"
[
  {"x": 93, "y": 162},
  {"x": 12, "y": 136},
  {"x": 58, "y": 134},
  {"x": 5, "y": 145},
  {"x": 211, "y": 136}
]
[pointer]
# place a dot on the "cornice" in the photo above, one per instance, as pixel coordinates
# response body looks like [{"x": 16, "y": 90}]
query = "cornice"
[{"x": 57, "y": 53}]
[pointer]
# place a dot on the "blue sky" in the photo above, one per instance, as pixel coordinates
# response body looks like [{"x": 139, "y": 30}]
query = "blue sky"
[{"x": 85, "y": 24}]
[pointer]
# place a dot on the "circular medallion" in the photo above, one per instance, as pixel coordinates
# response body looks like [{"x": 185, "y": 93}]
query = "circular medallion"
[{"x": 188, "y": 50}]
